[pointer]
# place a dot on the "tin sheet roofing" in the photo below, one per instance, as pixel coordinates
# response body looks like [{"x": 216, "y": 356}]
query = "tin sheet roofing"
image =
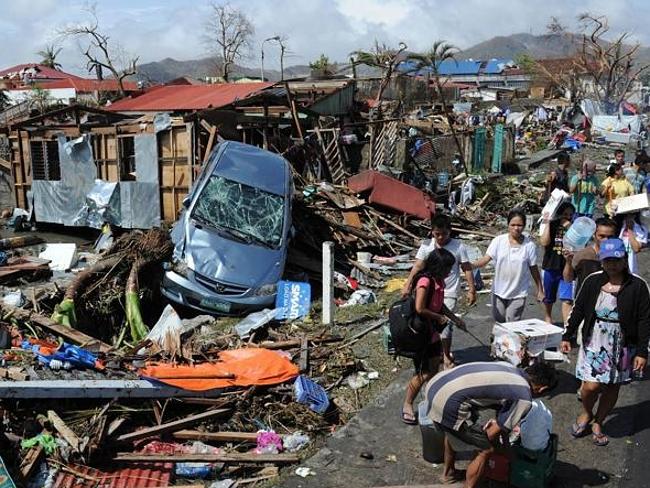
[
  {"x": 143, "y": 476},
  {"x": 187, "y": 97}
]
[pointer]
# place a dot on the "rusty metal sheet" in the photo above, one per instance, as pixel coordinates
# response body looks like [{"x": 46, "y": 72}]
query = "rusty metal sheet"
[
  {"x": 392, "y": 193},
  {"x": 143, "y": 476}
]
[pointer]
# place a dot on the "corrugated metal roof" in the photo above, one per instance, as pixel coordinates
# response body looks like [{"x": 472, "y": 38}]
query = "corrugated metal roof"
[
  {"x": 187, "y": 97},
  {"x": 144, "y": 476},
  {"x": 42, "y": 72},
  {"x": 497, "y": 65},
  {"x": 87, "y": 85},
  {"x": 452, "y": 67}
]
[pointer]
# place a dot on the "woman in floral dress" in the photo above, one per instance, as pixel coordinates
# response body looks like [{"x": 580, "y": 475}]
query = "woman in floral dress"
[{"x": 615, "y": 307}]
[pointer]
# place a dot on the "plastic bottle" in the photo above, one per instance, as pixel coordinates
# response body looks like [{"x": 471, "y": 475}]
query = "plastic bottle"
[{"x": 579, "y": 234}]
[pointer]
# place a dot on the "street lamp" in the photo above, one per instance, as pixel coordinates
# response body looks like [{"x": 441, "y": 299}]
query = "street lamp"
[{"x": 274, "y": 38}]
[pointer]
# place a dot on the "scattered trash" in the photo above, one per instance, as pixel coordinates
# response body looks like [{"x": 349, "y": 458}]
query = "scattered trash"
[
  {"x": 360, "y": 297},
  {"x": 256, "y": 320},
  {"x": 14, "y": 299},
  {"x": 357, "y": 381},
  {"x": 295, "y": 442},
  {"x": 304, "y": 472},
  {"x": 311, "y": 393},
  {"x": 268, "y": 442}
]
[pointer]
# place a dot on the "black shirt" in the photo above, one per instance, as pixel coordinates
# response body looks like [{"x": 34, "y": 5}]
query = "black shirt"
[{"x": 553, "y": 258}]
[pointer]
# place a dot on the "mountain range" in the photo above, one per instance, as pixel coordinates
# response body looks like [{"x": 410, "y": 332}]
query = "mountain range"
[{"x": 536, "y": 46}]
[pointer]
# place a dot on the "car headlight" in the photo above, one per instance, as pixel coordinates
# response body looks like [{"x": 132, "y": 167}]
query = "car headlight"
[
  {"x": 180, "y": 268},
  {"x": 266, "y": 290}
]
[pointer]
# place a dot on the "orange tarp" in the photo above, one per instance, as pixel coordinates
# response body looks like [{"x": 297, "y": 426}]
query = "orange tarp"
[{"x": 237, "y": 367}]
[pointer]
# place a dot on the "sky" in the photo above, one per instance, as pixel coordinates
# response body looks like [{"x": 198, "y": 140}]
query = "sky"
[{"x": 156, "y": 29}]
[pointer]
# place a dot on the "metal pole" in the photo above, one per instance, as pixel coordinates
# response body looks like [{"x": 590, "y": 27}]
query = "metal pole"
[
  {"x": 328, "y": 283},
  {"x": 262, "y": 69}
]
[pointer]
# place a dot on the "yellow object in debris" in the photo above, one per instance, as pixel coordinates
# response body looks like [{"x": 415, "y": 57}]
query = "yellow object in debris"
[{"x": 395, "y": 284}]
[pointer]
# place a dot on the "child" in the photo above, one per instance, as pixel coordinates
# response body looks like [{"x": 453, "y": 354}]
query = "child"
[
  {"x": 584, "y": 188},
  {"x": 429, "y": 292},
  {"x": 553, "y": 262}
]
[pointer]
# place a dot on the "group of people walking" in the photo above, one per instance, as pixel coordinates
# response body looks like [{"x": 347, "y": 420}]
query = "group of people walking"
[{"x": 605, "y": 309}]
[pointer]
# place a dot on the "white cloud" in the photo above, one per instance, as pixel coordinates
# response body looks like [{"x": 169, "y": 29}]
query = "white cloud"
[{"x": 154, "y": 30}]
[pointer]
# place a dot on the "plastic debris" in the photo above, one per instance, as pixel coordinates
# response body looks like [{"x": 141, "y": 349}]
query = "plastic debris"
[
  {"x": 311, "y": 393},
  {"x": 255, "y": 321},
  {"x": 268, "y": 442},
  {"x": 227, "y": 483},
  {"x": 304, "y": 472},
  {"x": 166, "y": 334},
  {"x": 361, "y": 297},
  {"x": 295, "y": 442},
  {"x": 356, "y": 381},
  {"x": 46, "y": 441},
  {"x": 14, "y": 299}
]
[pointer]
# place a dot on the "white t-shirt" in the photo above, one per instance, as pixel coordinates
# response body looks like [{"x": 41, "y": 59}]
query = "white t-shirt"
[
  {"x": 457, "y": 248},
  {"x": 511, "y": 263},
  {"x": 641, "y": 234}
]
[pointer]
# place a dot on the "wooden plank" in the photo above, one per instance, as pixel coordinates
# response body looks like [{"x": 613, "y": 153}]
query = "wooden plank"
[
  {"x": 30, "y": 461},
  {"x": 75, "y": 336},
  {"x": 208, "y": 147},
  {"x": 238, "y": 457},
  {"x": 171, "y": 426},
  {"x": 195, "y": 435},
  {"x": 303, "y": 364},
  {"x": 65, "y": 431},
  {"x": 53, "y": 389}
]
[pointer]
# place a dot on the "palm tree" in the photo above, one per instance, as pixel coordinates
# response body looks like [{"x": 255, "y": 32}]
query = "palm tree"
[
  {"x": 49, "y": 55},
  {"x": 383, "y": 57},
  {"x": 431, "y": 60}
]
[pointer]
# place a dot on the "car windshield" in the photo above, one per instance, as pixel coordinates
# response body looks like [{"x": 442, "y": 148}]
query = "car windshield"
[{"x": 241, "y": 210}]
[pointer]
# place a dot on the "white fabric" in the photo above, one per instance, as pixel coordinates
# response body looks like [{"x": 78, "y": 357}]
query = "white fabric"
[
  {"x": 457, "y": 248},
  {"x": 511, "y": 263},
  {"x": 536, "y": 427},
  {"x": 641, "y": 234}
]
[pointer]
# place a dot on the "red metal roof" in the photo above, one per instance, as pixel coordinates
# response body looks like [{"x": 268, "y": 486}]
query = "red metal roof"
[
  {"x": 87, "y": 85},
  {"x": 42, "y": 72},
  {"x": 187, "y": 97},
  {"x": 145, "y": 475}
]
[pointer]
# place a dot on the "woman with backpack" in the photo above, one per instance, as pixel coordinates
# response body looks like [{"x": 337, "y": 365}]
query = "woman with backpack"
[{"x": 428, "y": 290}]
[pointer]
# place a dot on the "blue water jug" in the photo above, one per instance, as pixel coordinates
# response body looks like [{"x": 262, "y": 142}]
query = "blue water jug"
[{"x": 579, "y": 234}]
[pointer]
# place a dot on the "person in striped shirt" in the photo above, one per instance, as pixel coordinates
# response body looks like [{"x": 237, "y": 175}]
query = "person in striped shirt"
[{"x": 457, "y": 396}]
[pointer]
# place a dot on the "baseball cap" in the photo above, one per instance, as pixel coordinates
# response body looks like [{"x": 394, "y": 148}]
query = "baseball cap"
[{"x": 612, "y": 248}]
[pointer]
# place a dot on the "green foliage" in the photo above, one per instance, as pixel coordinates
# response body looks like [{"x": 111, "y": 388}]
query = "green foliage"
[
  {"x": 526, "y": 62},
  {"x": 322, "y": 63},
  {"x": 48, "y": 56}
]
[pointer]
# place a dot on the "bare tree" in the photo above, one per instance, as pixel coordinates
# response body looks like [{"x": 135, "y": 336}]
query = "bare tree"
[
  {"x": 228, "y": 32},
  {"x": 101, "y": 54},
  {"x": 610, "y": 65},
  {"x": 554, "y": 26}
]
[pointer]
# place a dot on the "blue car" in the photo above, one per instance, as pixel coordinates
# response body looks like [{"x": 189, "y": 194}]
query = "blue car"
[{"x": 230, "y": 242}]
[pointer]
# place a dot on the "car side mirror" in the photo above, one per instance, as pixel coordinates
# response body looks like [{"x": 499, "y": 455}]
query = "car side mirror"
[{"x": 186, "y": 201}]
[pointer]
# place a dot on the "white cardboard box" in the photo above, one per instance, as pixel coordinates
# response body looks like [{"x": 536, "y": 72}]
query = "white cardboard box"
[
  {"x": 634, "y": 203},
  {"x": 511, "y": 340},
  {"x": 556, "y": 198},
  {"x": 62, "y": 256}
]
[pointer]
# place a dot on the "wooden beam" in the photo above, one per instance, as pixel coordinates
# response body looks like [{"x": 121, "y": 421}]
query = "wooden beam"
[
  {"x": 208, "y": 147},
  {"x": 30, "y": 461},
  {"x": 65, "y": 431},
  {"x": 172, "y": 426},
  {"x": 195, "y": 435},
  {"x": 72, "y": 335},
  {"x": 94, "y": 389},
  {"x": 237, "y": 457}
]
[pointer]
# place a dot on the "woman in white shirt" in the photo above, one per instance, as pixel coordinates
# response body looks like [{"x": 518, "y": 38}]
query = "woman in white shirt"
[{"x": 515, "y": 261}]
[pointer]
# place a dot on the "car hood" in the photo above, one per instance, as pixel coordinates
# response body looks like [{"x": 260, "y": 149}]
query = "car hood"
[{"x": 209, "y": 254}]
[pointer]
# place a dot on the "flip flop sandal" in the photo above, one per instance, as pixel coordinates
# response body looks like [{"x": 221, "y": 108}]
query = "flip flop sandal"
[
  {"x": 579, "y": 429},
  {"x": 600, "y": 439},
  {"x": 409, "y": 418}
]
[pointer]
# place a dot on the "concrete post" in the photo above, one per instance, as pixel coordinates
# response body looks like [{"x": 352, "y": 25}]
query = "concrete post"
[{"x": 328, "y": 282}]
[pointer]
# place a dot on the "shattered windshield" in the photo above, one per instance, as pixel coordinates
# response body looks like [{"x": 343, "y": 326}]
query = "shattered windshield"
[{"x": 243, "y": 211}]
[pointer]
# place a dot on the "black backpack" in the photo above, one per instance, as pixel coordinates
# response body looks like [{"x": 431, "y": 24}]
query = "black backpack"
[{"x": 410, "y": 334}]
